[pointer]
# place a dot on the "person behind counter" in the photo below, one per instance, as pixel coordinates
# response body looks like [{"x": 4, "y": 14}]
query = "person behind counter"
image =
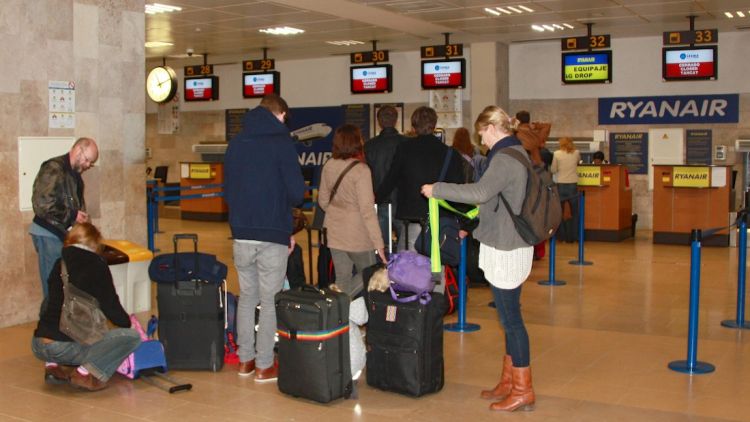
[{"x": 66, "y": 361}]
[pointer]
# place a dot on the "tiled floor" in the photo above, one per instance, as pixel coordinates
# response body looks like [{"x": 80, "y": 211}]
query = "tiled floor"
[{"x": 600, "y": 348}]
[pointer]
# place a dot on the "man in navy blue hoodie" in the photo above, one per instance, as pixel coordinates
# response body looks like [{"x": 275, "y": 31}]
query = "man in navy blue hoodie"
[{"x": 263, "y": 181}]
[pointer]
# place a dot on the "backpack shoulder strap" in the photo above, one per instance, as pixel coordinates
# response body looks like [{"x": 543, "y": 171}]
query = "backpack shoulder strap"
[
  {"x": 522, "y": 158},
  {"x": 446, "y": 163}
]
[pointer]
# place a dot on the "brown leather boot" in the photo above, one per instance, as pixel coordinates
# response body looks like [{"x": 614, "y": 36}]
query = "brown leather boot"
[
  {"x": 86, "y": 382},
  {"x": 503, "y": 387},
  {"x": 521, "y": 395}
]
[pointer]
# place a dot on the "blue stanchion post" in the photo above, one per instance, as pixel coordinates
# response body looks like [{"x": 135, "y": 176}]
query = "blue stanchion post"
[
  {"x": 692, "y": 365},
  {"x": 462, "y": 326},
  {"x": 581, "y": 230},
  {"x": 739, "y": 321},
  {"x": 552, "y": 253},
  {"x": 150, "y": 216}
]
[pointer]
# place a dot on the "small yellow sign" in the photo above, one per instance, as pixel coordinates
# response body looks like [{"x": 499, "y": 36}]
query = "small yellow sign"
[
  {"x": 691, "y": 177},
  {"x": 200, "y": 171},
  {"x": 589, "y": 175}
]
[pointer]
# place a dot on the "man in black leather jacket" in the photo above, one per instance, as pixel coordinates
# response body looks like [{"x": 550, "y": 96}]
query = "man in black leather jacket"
[
  {"x": 57, "y": 199},
  {"x": 379, "y": 153}
]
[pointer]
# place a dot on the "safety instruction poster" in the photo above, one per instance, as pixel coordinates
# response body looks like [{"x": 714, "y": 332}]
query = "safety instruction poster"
[{"x": 62, "y": 104}]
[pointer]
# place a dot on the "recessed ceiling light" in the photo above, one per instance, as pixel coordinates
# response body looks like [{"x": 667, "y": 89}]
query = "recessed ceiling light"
[
  {"x": 528, "y": 9},
  {"x": 503, "y": 10},
  {"x": 492, "y": 11},
  {"x": 740, "y": 14},
  {"x": 537, "y": 28},
  {"x": 345, "y": 42},
  {"x": 568, "y": 25},
  {"x": 549, "y": 28},
  {"x": 729, "y": 15},
  {"x": 157, "y": 44},
  {"x": 514, "y": 9},
  {"x": 282, "y": 30},
  {"x": 154, "y": 8}
]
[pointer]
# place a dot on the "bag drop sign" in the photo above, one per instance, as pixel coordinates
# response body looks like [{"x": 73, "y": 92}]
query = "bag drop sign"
[{"x": 669, "y": 110}]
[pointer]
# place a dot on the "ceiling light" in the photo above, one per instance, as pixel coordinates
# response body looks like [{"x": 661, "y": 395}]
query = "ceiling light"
[
  {"x": 740, "y": 14},
  {"x": 345, "y": 42},
  {"x": 154, "y": 8},
  {"x": 157, "y": 44},
  {"x": 729, "y": 15},
  {"x": 526, "y": 8},
  {"x": 537, "y": 28},
  {"x": 549, "y": 28},
  {"x": 282, "y": 30},
  {"x": 514, "y": 9},
  {"x": 503, "y": 10},
  {"x": 568, "y": 25},
  {"x": 557, "y": 26},
  {"x": 492, "y": 11}
]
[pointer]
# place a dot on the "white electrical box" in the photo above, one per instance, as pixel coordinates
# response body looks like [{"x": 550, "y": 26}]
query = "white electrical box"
[{"x": 720, "y": 153}]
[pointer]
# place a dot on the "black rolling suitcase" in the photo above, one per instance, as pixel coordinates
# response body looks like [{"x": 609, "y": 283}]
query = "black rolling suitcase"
[
  {"x": 313, "y": 328},
  {"x": 191, "y": 300},
  {"x": 405, "y": 344}
]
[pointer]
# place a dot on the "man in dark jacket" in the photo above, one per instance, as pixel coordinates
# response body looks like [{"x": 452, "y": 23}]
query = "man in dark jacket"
[
  {"x": 418, "y": 161},
  {"x": 379, "y": 153},
  {"x": 57, "y": 199},
  {"x": 263, "y": 183}
]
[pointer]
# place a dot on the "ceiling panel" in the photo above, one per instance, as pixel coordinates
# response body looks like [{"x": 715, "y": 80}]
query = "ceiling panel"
[{"x": 232, "y": 24}]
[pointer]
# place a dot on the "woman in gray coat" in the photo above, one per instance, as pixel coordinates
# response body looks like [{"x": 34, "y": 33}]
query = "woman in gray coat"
[{"x": 503, "y": 255}]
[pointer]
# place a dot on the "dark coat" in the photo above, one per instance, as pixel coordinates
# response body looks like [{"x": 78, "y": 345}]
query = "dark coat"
[
  {"x": 379, "y": 153},
  {"x": 89, "y": 272},
  {"x": 262, "y": 179},
  {"x": 418, "y": 161}
]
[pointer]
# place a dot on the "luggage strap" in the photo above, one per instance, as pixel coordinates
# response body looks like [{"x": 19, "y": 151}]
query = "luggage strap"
[{"x": 313, "y": 335}]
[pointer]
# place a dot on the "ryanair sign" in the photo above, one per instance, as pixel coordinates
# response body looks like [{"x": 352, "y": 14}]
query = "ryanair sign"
[
  {"x": 676, "y": 109},
  {"x": 690, "y": 177},
  {"x": 589, "y": 175}
]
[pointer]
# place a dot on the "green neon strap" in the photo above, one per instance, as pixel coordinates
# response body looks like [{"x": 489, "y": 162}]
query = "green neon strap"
[
  {"x": 436, "y": 266},
  {"x": 471, "y": 214}
]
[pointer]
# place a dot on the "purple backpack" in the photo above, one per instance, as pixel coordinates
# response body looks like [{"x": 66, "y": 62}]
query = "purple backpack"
[{"x": 410, "y": 272}]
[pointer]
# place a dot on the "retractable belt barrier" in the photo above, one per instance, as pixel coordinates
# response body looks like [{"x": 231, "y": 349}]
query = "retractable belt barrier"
[
  {"x": 691, "y": 365},
  {"x": 581, "y": 230}
]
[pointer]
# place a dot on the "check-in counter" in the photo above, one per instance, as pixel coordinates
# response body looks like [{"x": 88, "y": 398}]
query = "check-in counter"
[
  {"x": 209, "y": 208},
  {"x": 688, "y": 197},
  {"x": 608, "y": 201}
]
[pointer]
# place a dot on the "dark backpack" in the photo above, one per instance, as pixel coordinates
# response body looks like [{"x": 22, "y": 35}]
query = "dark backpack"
[{"x": 541, "y": 212}]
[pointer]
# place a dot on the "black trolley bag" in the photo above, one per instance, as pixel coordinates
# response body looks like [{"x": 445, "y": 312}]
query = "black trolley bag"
[
  {"x": 191, "y": 301},
  {"x": 313, "y": 329},
  {"x": 405, "y": 344}
]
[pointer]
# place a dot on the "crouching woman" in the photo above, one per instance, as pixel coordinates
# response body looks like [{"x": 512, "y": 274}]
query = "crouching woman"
[{"x": 86, "y": 367}]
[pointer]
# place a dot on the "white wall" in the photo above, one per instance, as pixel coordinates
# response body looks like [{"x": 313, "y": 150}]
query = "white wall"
[
  {"x": 311, "y": 82},
  {"x": 535, "y": 69}
]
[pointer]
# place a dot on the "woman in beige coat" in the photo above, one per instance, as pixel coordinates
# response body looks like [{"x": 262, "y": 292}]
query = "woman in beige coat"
[{"x": 351, "y": 222}]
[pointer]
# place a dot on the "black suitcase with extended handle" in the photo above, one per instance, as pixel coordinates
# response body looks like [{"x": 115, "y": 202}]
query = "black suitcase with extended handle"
[{"x": 191, "y": 301}]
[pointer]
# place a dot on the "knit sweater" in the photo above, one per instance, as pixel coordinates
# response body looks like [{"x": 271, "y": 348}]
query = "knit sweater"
[
  {"x": 504, "y": 175},
  {"x": 564, "y": 166}
]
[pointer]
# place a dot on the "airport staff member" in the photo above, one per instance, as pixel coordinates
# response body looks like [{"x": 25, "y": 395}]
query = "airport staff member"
[{"x": 58, "y": 203}]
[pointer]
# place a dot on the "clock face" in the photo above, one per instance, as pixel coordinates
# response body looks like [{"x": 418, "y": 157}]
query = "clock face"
[{"x": 161, "y": 84}]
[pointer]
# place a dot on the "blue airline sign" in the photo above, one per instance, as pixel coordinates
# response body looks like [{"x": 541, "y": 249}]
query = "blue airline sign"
[{"x": 676, "y": 109}]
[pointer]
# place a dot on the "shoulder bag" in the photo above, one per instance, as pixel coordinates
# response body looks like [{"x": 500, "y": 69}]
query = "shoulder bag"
[{"x": 81, "y": 318}]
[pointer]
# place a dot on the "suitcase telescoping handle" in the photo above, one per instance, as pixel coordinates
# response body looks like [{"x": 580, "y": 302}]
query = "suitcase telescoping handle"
[{"x": 175, "y": 239}]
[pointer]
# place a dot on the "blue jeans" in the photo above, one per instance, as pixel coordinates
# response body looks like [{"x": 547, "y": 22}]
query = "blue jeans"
[
  {"x": 508, "y": 305},
  {"x": 568, "y": 230},
  {"x": 261, "y": 267},
  {"x": 101, "y": 359},
  {"x": 49, "y": 250}
]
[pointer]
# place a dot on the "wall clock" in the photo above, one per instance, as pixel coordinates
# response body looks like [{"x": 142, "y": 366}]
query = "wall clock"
[{"x": 161, "y": 84}]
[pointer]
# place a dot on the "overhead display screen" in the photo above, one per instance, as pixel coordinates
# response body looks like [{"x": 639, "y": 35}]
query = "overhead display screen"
[
  {"x": 587, "y": 68},
  {"x": 202, "y": 89},
  {"x": 256, "y": 85},
  {"x": 437, "y": 74},
  {"x": 689, "y": 63},
  {"x": 368, "y": 79}
]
